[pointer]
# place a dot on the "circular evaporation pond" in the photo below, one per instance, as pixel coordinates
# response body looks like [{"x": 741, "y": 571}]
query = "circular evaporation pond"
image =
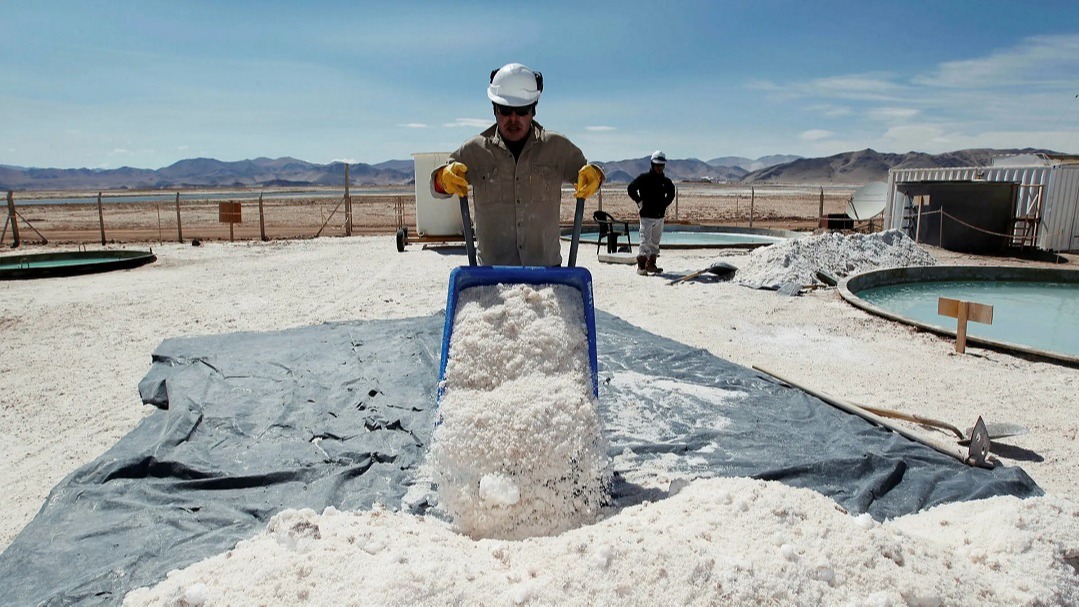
[
  {"x": 50, "y": 265},
  {"x": 1035, "y": 310},
  {"x": 697, "y": 237}
]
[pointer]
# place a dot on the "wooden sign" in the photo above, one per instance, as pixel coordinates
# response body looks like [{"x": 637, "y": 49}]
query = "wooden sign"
[
  {"x": 964, "y": 311},
  {"x": 229, "y": 212}
]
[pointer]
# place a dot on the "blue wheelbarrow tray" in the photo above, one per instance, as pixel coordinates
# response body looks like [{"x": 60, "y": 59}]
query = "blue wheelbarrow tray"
[{"x": 463, "y": 277}]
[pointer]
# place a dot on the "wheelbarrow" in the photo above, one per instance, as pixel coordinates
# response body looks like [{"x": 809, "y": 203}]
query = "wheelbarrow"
[{"x": 474, "y": 275}]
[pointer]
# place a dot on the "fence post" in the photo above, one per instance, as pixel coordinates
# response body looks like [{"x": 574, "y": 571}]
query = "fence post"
[
  {"x": 820, "y": 213},
  {"x": 348, "y": 206},
  {"x": 179, "y": 228},
  {"x": 14, "y": 220},
  {"x": 262, "y": 220},
  {"x": 752, "y": 201},
  {"x": 101, "y": 218}
]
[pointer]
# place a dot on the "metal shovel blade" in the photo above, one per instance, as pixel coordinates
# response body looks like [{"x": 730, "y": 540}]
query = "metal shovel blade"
[
  {"x": 996, "y": 431},
  {"x": 979, "y": 443}
]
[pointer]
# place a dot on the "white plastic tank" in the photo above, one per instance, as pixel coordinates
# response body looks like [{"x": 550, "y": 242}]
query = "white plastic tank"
[{"x": 434, "y": 216}]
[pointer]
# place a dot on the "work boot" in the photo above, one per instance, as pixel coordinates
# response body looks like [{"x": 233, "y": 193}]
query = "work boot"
[
  {"x": 641, "y": 259},
  {"x": 651, "y": 266}
]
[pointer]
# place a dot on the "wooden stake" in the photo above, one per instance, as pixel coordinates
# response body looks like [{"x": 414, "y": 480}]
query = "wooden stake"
[
  {"x": 964, "y": 311},
  {"x": 752, "y": 201},
  {"x": 348, "y": 206},
  {"x": 262, "y": 220},
  {"x": 820, "y": 213},
  {"x": 14, "y": 220},
  {"x": 179, "y": 228},
  {"x": 101, "y": 218}
]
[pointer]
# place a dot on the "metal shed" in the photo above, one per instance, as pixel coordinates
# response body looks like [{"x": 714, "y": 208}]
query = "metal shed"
[{"x": 1044, "y": 214}]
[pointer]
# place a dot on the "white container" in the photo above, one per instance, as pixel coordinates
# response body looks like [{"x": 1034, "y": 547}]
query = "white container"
[{"x": 434, "y": 216}]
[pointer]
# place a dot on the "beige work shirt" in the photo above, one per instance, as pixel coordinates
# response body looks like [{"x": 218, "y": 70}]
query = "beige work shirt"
[{"x": 517, "y": 203}]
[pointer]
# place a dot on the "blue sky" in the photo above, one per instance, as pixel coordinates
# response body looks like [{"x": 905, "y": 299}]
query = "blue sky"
[{"x": 146, "y": 83}]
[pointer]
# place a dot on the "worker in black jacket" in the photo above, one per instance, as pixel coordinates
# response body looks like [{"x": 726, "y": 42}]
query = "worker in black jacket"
[{"x": 653, "y": 192}]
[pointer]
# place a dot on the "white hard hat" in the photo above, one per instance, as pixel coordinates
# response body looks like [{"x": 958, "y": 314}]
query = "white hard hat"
[
  {"x": 658, "y": 157},
  {"x": 515, "y": 85}
]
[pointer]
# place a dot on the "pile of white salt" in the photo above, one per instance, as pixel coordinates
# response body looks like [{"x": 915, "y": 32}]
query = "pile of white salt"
[
  {"x": 726, "y": 541},
  {"x": 797, "y": 260},
  {"x": 519, "y": 450}
]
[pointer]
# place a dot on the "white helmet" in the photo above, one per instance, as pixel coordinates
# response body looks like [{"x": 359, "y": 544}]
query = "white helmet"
[
  {"x": 658, "y": 157},
  {"x": 515, "y": 85}
]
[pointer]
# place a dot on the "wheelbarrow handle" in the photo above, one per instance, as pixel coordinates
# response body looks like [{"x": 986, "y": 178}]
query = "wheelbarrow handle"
[
  {"x": 470, "y": 247},
  {"x": 578, "y": 216},
  {"x": 466, "y": 225}
]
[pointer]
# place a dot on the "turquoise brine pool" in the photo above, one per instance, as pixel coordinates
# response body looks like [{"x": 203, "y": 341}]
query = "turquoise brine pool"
[
  {"x": 1042, "y": 315},
  {"x": 48, "y": 265},
  {"x": 694, "y": 237}
]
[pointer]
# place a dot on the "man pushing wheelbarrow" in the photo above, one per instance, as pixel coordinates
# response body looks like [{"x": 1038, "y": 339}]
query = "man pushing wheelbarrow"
[
  {"x": 519, "y": 344},
  {"x": 516, "y": 169}
]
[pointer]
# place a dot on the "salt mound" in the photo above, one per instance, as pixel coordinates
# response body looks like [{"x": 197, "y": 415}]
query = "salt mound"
[
  {"x": 519, "y": 450},
  {"x": 726, "y": 541},
  {"x": 798, "y": 260}
]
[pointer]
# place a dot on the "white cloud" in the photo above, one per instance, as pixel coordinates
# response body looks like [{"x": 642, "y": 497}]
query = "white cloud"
[
  {"x": 815, "y": 135},
  {"x": 830, "y": 111},
  {"x": 892, "y": 113},
  {"x": 875, "y": 86},
  {"x": 1039, "y": 60},
  {"x": 918, "y": 137},
  {"x": 414, "y": 125},
  {"x": 470, "y": 122},
  {"x": 600, "y": 128}
]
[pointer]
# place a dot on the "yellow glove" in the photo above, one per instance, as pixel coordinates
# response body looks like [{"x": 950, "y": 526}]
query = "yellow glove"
[
  {"x": 589, "y": 178},
  {"x": 451, "y": 179}
]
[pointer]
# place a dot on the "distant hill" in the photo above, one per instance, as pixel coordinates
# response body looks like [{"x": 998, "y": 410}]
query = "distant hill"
[
  {"x": 690, "y": 169},
  {"x": 855, "y": 168},
  {"x": 753, "y": 165},
  {"x": 208, "y": 172},
  {"x": 852, "y": 168}
]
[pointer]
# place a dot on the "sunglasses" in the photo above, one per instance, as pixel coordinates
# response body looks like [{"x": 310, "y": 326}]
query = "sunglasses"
[{"x": 505, "y": 110}]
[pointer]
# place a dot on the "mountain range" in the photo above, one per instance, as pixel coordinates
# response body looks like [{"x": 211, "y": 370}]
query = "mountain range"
[{"x": 848, "y": 168}]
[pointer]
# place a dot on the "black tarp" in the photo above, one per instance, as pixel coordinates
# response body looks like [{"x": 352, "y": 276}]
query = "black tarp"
[{"x": 340, "y": 415}]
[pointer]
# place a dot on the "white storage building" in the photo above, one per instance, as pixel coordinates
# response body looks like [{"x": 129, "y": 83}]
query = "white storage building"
[{"x": 1018, "y": 201}]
